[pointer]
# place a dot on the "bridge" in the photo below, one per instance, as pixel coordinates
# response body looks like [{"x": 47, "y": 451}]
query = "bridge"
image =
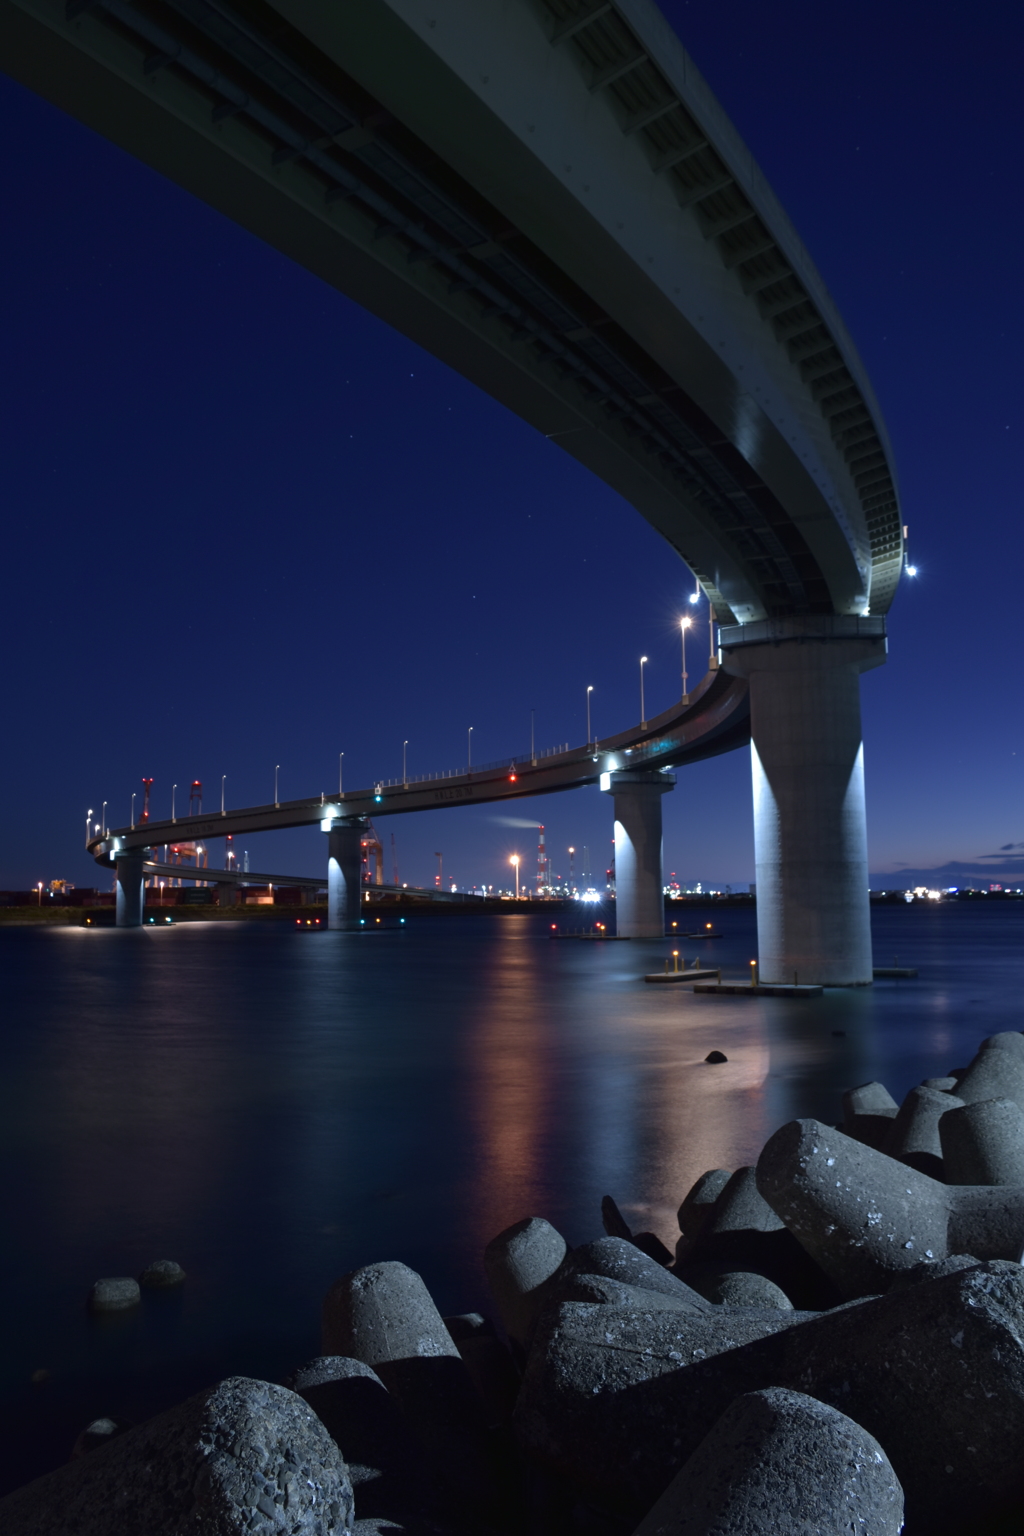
[
  {"x": 546, "y": 195},
  {"x": 634, "y": 767}
]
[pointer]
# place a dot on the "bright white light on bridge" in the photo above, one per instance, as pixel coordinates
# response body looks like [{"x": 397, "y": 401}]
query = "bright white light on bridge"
[
  {"x": 694, "y": 597},
  {"x": 911, "y": 570}
]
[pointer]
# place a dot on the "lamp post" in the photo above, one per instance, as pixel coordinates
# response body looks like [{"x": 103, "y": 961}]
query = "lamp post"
[
  {"x": 276, "y": 800},
  {"x": 404, "y": 776},
  {"x": 469, "y": 749},
  {"x": 341, "y": 759},
  {"x": 103, "y": 819},
  {"x": 223, "y": 781},
  {"x": 173, "y": 788},
  {"x": 684, "y": 625},
  {"x": 589, "y": 692},
  {"x": 88, "y": 818},
  {"x": 514, "y": 861},
  {"x": 712, "y": 658},
  {"x": 572, "y": 867},
  {"x": 643, "y": 712},
  {"x": 133, "y": 809},
  {"x": 39, "y": 888}
]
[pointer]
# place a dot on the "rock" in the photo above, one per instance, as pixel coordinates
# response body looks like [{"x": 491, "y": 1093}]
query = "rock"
[
  {"x": 99, "y": 1432},
  {"x": 913, "y": 1136},
  {"x": 520, "y": 1263},
  {"x": 716, "y": 1057},
  {"x": 697, "y": 1205},
  {"x": 618, "y": 1403},
  {"x": 727, "y": 1287},
  {"x": 983, "y": 1142},
  {"x": 115, "y": 1295},
  {"x": 997, "y": 1072},
  {"x": 613, "y": 1220},
  {"x": 743, "y": 1233},
  {"x": 387, "y": 1469},
  {"x": 384, "y": 1316},
  {"x": 162, "y": 1274},
  {"x": 866, "y": 1113},
  {"x": 490, "y": 1365},
  {"x": 864, "y": 1217},
  {"x": 243, "y": 1456},
  {"x": 779, "y": 1463}
]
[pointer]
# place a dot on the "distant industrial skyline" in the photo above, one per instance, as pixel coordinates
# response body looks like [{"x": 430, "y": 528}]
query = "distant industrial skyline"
[{"x": 290, "y": 493}]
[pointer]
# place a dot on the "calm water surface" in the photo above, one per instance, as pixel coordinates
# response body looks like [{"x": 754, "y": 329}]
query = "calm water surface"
[{"x": 273, "y": 1107}]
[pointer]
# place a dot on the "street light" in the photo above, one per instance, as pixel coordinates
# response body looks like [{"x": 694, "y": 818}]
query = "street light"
[
  {"x": 643, "y": 712},
  {"x": 103, "y": 819},
  {"x": 404, "y": 778},
  {"x": 589, "y": 692},
  {"x": 684, "y": 625},
  {"x": 712, "y": 659},
  {"x": 88, "y": 818},
  {"x": 39, "y": 888},
  {"x": 572, "y": 864},
  {"x": 173, "y": 788},
  {"x": 469, "y": 749},
  {"x": 341, "y": 758},
  {"x": 133, "y": 809},
  {"x": 223, "y": 781},
  {"x": 514, "y": 861},
  {"x": 276, "y": 800}
]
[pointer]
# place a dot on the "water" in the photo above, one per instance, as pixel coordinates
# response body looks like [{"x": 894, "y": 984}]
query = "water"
[{"x": 271, "y": 1107}]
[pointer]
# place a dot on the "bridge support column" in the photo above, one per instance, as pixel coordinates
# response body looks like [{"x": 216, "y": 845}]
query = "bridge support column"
[
  {"x": 227, "y": 893},
  {"x": 344, "y": 870},
  {"x": 639, "y": 884},
  {"x": 131, "y": 894},
  {"x": 810, "y": 825}
]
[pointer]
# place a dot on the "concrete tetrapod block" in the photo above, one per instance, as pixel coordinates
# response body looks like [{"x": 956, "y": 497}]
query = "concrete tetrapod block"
[
  {"x": 384, "y": 1316},
  {"x": 697, "y": 1205},
  {"x": 243, "y": 1456},
  {"x": 997, "y": 1072},
  {"x": 779, "y": 1463},
  {"x": 489, "y": 1363},
  {"x": 731, "y": 1287},
  {"x": 117, "y": 1294},
  {"x": 867, "y": 1111},
  {"x": 913, "y": 1137},
  {"x": 983, "y": 1143},
  {"x": 742, "y": 1234},
  {"x": 519, "y": 1264},
  {"x": 388, "y": 1471},
  {"x": 864, "y": 1217},
  {"x": 617, "y": 1401},
  {"x": 614, "y": 1259},
  {"x": 602, "y": 1392}
]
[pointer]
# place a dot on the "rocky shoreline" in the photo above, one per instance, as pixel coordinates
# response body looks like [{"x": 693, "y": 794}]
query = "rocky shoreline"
[{"x": 836, "y": 1345}]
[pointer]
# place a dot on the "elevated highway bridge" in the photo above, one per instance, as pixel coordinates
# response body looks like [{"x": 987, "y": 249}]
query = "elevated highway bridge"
[{"x": 546, "y": 195}]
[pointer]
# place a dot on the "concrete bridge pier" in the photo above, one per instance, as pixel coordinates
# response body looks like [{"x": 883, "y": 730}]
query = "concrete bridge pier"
[
  {"x": 639, "y": 883},
  {"x": 810, "y": 826},
  {"x": 344, "y": 874},
  {"x": 131, "y": 894}
]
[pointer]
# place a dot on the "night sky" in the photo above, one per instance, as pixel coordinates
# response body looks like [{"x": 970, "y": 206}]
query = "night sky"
[{"x": 245, "y": 523}]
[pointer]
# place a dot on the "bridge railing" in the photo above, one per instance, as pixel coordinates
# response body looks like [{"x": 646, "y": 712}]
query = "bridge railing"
[{"x": 516, "y": 760}]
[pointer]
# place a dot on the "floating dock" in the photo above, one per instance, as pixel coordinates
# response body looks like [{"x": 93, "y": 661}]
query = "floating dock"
[
  {"x": 906, "y": 972},
  {"x": 763, "y": 989},
  {"x": 695, "y": 975}
]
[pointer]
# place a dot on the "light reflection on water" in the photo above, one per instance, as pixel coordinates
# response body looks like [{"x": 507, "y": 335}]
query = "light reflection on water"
[{"x": 272, "y": 1107}]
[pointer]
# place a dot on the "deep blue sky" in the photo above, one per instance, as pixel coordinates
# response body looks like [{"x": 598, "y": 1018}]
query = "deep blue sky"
[{"x": 245, "y": 523}]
